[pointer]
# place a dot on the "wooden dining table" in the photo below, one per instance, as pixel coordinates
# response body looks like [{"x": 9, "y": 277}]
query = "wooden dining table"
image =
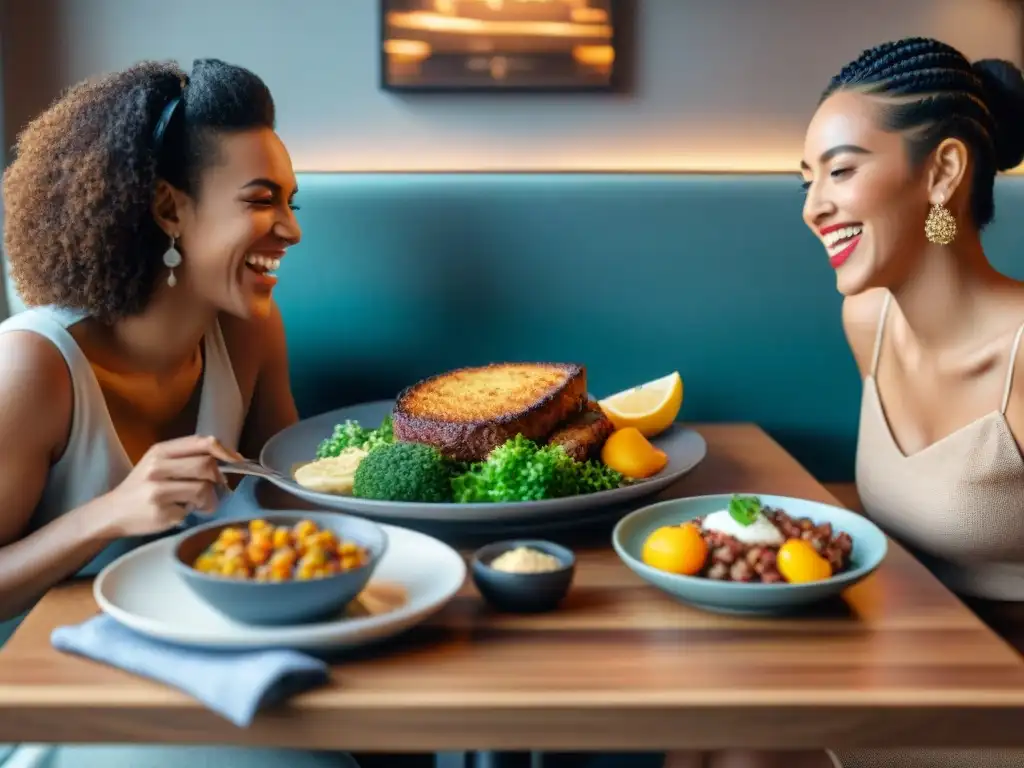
[{"x": 898, "y": 661}]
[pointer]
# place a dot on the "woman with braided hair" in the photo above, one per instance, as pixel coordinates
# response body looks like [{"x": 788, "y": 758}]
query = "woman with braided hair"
[
  {"x": 145, "y": 210},
  {"x": 899, "y": 164}
]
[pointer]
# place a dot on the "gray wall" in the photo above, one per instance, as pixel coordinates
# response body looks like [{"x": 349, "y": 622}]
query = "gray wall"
[{"x": 719, "y": 84}]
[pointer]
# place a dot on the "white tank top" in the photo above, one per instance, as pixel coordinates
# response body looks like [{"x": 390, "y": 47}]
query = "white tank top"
[{"x": 95, "y": 461}]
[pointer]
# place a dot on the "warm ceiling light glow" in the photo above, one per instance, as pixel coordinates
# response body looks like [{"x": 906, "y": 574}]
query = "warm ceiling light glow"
[
  {"x": 434, "y": 22},
  {"x": 589, "y": 15},
  {"x": 392, "y": 161},
  {"x": 594, "y": 55},
  {"x": 413, "y": 49},
  {"x": 416, "y": 158}
]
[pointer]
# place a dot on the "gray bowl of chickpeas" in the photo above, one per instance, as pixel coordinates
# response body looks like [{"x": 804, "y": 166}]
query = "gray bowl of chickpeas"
[{"x": 280, "y": 568}]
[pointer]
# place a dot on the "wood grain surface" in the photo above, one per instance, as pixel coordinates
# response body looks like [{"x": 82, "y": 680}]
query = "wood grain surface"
[{"x": 899, "y": 661}]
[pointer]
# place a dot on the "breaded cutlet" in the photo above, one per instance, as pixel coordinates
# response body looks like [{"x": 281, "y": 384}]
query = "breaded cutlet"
[
  {"x": 468, "y": 412},
  {"x": 584, "y": 434}
]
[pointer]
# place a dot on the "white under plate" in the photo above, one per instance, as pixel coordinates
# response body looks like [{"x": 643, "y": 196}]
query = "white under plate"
[{"x": 417, "y": 577}]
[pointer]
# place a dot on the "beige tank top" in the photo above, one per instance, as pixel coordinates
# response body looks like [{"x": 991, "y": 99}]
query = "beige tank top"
[{"x": 959, "y": 502}]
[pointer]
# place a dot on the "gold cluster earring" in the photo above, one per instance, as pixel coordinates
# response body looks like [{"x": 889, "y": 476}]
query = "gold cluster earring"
[{"x": 940, "y": 226}]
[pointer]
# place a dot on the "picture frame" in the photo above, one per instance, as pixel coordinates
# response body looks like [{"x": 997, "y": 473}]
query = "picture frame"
[{"x": 501, "y": 46}]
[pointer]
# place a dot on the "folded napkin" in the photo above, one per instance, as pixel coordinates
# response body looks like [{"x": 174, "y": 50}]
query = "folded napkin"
[{"x": 235, "y": 685}]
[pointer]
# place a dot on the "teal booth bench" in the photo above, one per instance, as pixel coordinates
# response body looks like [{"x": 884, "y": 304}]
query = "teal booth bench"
[
  {"x": 401, "y": 275},
  {"x": 634, "y": 275}
]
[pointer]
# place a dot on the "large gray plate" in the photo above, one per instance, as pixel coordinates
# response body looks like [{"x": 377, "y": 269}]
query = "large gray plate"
[{"x": 297, "y": 445}]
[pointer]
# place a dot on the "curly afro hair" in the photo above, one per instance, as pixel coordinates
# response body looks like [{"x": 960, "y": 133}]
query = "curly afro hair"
[
  {"x": 935, "y": 93},
  {"x": 79, "y": 228}
]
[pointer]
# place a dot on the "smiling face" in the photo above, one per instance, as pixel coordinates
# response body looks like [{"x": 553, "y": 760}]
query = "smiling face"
[
  {"x": 865, "y": 201},
  {"x": 238, "y": 226}
]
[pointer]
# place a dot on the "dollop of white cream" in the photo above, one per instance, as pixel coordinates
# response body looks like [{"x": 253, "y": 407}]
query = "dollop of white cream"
[{"x": 761, "y": 531}]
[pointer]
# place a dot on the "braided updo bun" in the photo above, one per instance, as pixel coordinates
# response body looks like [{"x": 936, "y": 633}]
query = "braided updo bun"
[
  {"x": 1003, "y": 85},
  {"x": 931, "y": 92}
]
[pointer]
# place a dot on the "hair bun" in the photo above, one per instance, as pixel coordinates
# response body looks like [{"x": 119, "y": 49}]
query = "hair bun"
[{"x": 1003, "y": 83}]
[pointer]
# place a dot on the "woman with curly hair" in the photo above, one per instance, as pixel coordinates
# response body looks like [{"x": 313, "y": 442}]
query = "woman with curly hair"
[{"x": 146, "y": 212}]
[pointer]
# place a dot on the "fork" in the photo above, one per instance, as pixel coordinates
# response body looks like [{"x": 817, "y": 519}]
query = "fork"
[{"x": 253, "y": 468}]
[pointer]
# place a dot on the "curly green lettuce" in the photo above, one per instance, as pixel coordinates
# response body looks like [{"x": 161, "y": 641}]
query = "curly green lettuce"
[
  {"x": 521, "y": 470},
  {"x": 351, "y": 434}
]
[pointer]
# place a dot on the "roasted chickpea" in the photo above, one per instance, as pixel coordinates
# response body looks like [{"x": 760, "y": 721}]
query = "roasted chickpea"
[{"x": 265, "y": 553}]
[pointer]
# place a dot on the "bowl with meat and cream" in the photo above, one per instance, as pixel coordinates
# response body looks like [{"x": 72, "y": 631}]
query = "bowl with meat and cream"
[{"x": 747, "y": 553}]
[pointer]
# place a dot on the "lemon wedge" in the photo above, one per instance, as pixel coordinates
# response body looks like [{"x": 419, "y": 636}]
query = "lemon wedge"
[{"x": 650, "y": 407}]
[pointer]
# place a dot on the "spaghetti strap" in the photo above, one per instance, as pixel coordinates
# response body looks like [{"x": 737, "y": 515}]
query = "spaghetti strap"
[
  {"x": 1010, "y": 369},
  {"x": 878, "y": 334}
]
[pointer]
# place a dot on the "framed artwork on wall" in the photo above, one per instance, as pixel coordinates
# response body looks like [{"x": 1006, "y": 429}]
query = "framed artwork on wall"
[{"x": 500, "y": 45}]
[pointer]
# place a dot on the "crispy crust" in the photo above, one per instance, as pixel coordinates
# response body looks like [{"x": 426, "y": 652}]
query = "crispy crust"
[
  {"x": 584, "y": 434},
  {"x": 468, "y": 412}
]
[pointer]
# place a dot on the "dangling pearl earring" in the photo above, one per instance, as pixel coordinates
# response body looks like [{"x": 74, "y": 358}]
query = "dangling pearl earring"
[{"x": 172, "y": 259}]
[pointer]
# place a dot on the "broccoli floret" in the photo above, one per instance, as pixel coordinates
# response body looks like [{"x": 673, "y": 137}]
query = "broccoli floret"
[{"x": 403, "y": 472}]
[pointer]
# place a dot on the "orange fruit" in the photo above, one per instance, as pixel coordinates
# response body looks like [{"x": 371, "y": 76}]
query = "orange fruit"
[
  {"x": 676, "y": 549},
  {"x": 629, "y": 452},
  {"x": 650, "y": 407},
  {"x": 799, "y": 562}
]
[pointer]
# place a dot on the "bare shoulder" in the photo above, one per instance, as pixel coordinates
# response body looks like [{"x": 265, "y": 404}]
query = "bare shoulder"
[
  {"x": 861, "y": 315},
  {"x": 36, "y": 403},
  {"x": 35, "y": 390}
]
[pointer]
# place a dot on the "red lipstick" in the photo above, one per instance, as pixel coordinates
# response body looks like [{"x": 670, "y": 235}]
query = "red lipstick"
[{"x": 840, "y": 258}]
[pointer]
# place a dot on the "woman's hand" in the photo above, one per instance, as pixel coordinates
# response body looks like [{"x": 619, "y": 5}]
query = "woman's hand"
[{"x": 172, "y": 479}]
